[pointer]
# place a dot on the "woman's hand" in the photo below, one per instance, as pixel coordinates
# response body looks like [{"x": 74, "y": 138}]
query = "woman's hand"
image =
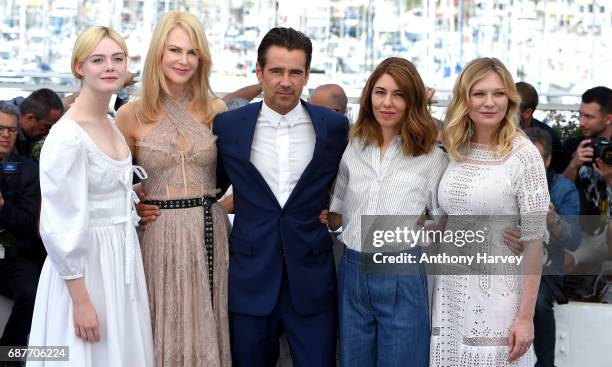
[
  {"x": 521, "y": 337},
  {"x": 86, "y": 325}
]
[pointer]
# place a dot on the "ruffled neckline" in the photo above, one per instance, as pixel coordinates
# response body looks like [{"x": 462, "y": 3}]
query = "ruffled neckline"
[{"x": 89, "y": 141}]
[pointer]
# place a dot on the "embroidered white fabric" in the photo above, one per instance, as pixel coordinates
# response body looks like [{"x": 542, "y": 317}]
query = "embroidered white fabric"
[
  {"x": 472, "y": 314},
  {"x": 86, "y": 224}
]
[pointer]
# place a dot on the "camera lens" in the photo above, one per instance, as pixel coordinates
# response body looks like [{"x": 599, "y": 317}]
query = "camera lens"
[{"x": 607, "y": 155}]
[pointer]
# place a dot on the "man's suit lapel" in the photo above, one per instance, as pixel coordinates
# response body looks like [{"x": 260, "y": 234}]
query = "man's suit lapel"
[
  {"x": 246, "y": 133},
  {"x": 320, "y": 127}
]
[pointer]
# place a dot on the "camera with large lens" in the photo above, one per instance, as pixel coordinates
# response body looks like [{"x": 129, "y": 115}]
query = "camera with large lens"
[{"x": 602, "y": 148}]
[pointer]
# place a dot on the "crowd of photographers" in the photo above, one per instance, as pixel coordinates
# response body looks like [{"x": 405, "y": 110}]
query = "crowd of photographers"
[{"x": 580, "y": 171}]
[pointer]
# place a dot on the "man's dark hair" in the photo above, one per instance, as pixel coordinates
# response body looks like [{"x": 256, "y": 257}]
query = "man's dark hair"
[
  {"x": 40, "y": 103},
  {"x": 542, "y": 137},
  {"x": 529, "y": 96},
  {"x": 600, "y": 95},
  {"x": 287, "y": 38}
]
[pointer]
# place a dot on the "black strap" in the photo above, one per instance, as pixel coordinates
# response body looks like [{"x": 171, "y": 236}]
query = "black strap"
[{"x": 206, "y": 202}]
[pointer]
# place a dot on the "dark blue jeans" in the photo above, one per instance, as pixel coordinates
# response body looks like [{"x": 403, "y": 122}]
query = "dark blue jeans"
[
  {"x": 384, "y": 318},
  {"x": 544, "y": 327}
]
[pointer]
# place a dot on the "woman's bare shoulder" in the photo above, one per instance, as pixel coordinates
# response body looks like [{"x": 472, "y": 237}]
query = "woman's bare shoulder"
[
  {"x": 126, "y": 115},
  {"x": 219, "y": 105}
]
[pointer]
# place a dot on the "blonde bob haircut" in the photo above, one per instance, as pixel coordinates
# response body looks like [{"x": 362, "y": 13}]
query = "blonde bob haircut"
[
  {"x": 417, "y": 130},
  {"x": 154, "y": 84},
  {"x": 459, "y": 127},
  {"x": 88, "y": 40}
]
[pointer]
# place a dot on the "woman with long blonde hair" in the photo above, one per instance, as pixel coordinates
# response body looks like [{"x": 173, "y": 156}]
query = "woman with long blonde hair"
[
  {"x": 185, "y": 248},
  {"x": 496, "y": 178},
  {"x": 92, "y": 295}
]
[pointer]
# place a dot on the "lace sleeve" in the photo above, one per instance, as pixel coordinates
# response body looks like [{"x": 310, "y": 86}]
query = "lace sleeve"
[{"x": 532, "y": 194}]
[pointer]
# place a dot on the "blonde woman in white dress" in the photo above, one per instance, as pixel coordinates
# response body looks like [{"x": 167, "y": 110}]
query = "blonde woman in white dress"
[
  {"x": 92, "y": 294},
  {"x": 486, "y": 319}
]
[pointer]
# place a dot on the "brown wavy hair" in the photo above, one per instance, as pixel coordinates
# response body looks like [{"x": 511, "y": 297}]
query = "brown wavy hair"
[
  {"x": 459, "y": 127},
  {"x": 417, "y": 129}
]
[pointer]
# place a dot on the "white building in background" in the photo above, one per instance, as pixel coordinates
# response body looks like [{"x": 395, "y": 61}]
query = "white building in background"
[{"x": 557, "y": 45}]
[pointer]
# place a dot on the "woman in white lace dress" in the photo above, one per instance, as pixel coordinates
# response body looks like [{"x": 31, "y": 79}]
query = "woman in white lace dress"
[
  {"x": 485, "y": 318},
  {"x": 92, "y": 294}
]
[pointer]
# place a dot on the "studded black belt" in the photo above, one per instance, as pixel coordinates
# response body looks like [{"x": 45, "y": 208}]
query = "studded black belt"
[{"x": 206, "y": 202}]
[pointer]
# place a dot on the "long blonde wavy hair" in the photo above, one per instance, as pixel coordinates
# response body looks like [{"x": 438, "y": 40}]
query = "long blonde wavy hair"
[
  {"x": 154, "y": 83},
  {"x": 459, "y": 127}
]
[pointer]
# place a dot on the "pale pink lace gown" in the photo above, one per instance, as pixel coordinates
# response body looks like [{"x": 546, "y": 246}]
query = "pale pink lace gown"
[{"x": 189, "y": 329}]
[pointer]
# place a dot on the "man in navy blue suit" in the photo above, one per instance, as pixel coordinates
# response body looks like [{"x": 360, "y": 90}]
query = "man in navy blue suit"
[{"x": 281, "y": 156}]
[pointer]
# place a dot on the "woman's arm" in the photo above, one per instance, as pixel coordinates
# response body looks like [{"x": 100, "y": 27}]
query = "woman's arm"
[
  {"x": 86, "y": 325},
  {"x": 521, "y": 332},
  {"x": 533, "y": 200},
  {"x": 126, "y": 122},
  {"x": 219, "y": 105},
  {"x": 64, "y": 219}
]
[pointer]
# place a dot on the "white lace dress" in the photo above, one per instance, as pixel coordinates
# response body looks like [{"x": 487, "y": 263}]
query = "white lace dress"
[
  {"x": 472, "y": 314},
  {"x": 87, "y": 226}
]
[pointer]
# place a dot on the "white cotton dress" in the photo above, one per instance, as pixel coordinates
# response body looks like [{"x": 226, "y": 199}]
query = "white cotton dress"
[
  {"x": 87, "y": 226},
  {"x": 472, "y": 313}
]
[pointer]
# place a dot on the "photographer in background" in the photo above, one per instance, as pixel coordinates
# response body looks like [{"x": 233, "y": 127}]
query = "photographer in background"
[
  {"x": 37, "y": 113},
  {"x": 585, "y": 157},
  {"x": 21, "y": 251}
]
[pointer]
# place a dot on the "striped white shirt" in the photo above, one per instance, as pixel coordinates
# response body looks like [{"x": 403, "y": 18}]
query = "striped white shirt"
[{"x": 394, "y": 185}]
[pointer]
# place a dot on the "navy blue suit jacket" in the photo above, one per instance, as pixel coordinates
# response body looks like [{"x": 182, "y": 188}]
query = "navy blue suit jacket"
[{"x": 264, "y": 232}]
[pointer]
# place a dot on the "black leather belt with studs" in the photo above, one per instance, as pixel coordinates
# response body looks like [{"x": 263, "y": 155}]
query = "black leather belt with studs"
[{"x": 206, "y": 202}]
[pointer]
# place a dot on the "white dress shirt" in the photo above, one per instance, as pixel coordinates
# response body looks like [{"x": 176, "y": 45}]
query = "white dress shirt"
[
  {"x": 395, "y": 184},
  {"x": 282, "y": 148}
]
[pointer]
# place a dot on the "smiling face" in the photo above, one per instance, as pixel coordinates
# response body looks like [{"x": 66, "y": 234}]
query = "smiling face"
[
  {"x": 488, "y": 102},
  {"x": 388, "y": 103},
  {"x": 180, "y": 59},
  {"x": 105, "y": 69},
  {"x": 283, "y": 78}
]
